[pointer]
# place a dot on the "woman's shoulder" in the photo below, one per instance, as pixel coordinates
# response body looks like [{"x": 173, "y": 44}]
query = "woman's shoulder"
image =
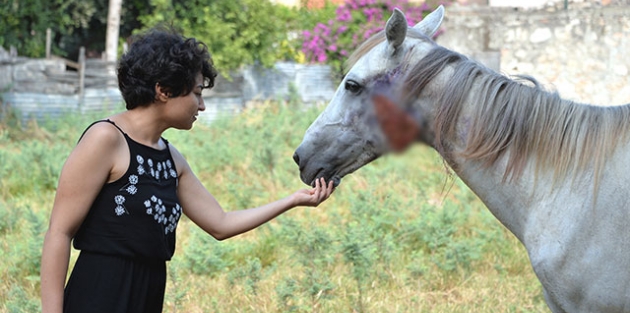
[
  {"x": 103, "y": 133},
  {"x": 101, "y": 151}
]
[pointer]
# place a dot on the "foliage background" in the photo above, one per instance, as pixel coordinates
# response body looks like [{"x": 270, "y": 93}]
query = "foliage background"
[{"x": 237, "y": 32}]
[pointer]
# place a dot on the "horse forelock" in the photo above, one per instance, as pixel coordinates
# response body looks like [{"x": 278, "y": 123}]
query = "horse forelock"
[{"x": 511, "y": 116}]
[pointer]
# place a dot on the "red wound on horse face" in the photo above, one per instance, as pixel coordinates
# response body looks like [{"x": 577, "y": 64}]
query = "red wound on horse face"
[{"x": 399, "y": 127}]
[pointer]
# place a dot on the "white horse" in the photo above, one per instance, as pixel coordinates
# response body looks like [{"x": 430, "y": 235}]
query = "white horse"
[{"x": 551, "y": 170}]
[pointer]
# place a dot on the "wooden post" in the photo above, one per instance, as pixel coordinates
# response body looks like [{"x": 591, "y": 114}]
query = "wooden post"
[
  {"x": 81, "y": 75},
  {"x": 48, "y": 42}
]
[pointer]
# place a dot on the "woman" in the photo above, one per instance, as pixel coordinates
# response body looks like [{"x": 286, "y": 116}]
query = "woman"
[{"x": 124, "y": 187}]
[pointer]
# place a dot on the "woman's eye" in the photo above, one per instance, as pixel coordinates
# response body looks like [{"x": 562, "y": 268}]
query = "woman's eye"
[{"x": 353, "y": 86}]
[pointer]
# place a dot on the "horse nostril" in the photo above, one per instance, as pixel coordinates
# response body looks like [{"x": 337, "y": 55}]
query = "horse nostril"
[{"x": 296, "y": 158}]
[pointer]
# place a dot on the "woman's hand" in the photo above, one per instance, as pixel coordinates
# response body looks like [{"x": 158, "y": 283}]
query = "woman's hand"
[{"x": 313, "y": 197}]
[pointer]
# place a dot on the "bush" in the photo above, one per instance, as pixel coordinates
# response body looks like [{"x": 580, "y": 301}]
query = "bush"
[
  {"x": 237, "y": 32},
  {"x": 355, "y": 21}
]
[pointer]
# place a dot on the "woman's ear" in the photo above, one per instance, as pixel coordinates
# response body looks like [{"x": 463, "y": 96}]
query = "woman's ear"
[{"x": 160, "y": 94}]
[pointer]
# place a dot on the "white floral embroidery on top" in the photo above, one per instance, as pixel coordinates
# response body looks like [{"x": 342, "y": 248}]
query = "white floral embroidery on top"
[
  {"x": 140, "y": 160},
  {"x": 156, "y": 207},
  {"x": 132, "y": 189},
  {"x": 131, "y": 186},
  {"x": 120, "y": 208},
  {"x": 171, "y": 170},
  {"x": 157, "y": 169}
]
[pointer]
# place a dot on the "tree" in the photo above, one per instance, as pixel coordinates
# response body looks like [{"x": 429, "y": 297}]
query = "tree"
[
  {"x": 24, "y": 23},
  {"x": 237, "y": 32},
  {"x": 113, "y": 27}
]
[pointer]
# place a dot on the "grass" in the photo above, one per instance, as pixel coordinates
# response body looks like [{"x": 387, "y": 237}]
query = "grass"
[{"x": 399, "y": 235}]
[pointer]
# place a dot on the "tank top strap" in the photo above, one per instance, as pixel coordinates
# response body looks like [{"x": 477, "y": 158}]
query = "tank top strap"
[
  {"x": 118, "y": 127},
  {"x": 100, "y": 121}
]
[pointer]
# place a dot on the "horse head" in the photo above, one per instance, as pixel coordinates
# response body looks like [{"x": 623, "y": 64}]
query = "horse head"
[{"x": 346, "y": 136}]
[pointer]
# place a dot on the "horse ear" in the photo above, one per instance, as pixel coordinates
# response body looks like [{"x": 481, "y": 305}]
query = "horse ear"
[
  {"x": 431, "y": 23},
  {"x": 396, "y": 29}
]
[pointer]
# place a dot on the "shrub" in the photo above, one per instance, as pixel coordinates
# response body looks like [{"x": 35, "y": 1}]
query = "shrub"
[
  {"x": 355, "y": 21},
  {"x": 237, "y": 32}
]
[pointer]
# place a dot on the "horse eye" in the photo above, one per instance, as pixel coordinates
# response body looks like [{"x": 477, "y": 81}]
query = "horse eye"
[{"x": 353, "y": 86}]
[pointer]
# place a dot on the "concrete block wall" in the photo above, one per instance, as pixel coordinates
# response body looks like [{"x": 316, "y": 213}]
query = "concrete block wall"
[{"x": 580, "y": 52}]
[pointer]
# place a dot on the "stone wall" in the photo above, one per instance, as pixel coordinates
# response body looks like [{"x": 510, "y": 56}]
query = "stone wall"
[{"x": 581, "y": 52}]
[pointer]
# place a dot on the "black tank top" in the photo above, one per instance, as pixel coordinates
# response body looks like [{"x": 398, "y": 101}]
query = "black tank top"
[{"x": 135, "y": 216}]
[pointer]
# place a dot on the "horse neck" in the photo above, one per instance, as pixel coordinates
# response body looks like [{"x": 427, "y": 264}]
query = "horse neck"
[
  {"x": 502, "y": 199},
  {"x": 448, "y": 103},
  {"x": 464, "y": 107}
]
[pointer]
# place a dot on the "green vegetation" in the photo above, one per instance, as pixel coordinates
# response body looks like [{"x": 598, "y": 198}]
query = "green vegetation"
[
  {"x": 399, "y": 235},
  {"x": 237, "y": 32}
]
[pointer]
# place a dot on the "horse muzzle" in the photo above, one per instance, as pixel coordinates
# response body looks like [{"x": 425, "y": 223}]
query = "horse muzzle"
[{"x": 311, "y": 170}]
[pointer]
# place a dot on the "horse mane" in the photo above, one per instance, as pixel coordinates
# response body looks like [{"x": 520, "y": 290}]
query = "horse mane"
[
  {"x": 513, "y": 117},
  {"x": 523, "y": 119}
]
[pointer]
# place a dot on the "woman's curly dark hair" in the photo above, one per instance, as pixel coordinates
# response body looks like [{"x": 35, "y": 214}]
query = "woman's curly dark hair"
[{"x": 163, "y": 56}]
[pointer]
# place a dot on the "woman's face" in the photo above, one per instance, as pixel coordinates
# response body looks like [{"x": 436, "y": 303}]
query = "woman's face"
[{"x": 184, "y": 110}]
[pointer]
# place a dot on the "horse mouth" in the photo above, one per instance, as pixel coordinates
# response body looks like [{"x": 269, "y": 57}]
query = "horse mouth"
[
  {"x": 337, "y": 173},
  {"x": 336, "y": 179}
]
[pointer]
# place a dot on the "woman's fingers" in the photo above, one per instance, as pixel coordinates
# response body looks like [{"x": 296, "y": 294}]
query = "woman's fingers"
[
  {"x": 322, "y": 190},
  {"x": 326, "y": 189}
]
